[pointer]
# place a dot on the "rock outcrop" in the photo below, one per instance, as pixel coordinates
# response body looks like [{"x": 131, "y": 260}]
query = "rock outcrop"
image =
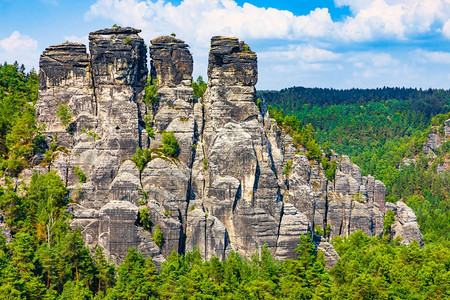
[
  {"x": 437, "y": 136},
  {"x": 4, "y": 230},
  {"x": 225, "y": 191},
  {"x": 405, "y": 224}
]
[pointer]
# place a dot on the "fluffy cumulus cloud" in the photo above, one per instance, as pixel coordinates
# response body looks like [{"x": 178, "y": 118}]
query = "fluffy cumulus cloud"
[
  {"x": 393, "y": 18},
  {"x": 19, "y": 47},
  {"x": 446, "y": 29},
  {"x": 313, "y": 44},
  {"x": 200, "y": 19}
]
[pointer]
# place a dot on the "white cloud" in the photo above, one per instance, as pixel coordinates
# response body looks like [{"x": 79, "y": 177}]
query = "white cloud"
[
  {"x": 200, "y": 19},
  {"x": 305, "y": 53},
  {"x": 393, "y": 18},
  {"x": 437, "y": 57},
  {"x": 19, "y": 47},
  {"x": 313, "y": 62},
  {"x": 446, "y": 29}
]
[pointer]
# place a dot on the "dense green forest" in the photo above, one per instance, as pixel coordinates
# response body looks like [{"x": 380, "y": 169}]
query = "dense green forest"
[
  {"x": 46, "y": 259},
  {"x": 379, "y": 134}
]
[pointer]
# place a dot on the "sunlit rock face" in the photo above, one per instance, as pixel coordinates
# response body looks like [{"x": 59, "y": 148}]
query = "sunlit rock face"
[{"x": 226, "y": 190}]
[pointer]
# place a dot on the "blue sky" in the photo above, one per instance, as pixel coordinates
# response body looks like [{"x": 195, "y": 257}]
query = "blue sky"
[{"x": 312, "y": 43}]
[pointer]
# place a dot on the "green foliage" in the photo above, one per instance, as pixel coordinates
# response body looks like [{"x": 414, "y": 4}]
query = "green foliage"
[
  {"x": 329, "y": 168},
  {"x": 158, "y": 236},
  {"x": 149, "y": 127},
  {"x": 173, "y": 34},
  {"x": 136, "y": 277},
  {"x": 18, "y": 131},
  {"x": 81, "y": 176},
  {"x": 379, "y": 129},
  {"x": 144, "y": 218},
  {"x": 303, "y": 136},
  {"x": 388, "y": 220},
  {"x": 93, "y": 135},
  {"x": 199, "y": 87},
  {"x": 358, "y": 198},
  {"x": 371, "y": 269},
  {"x": 327, "y": 231},
  {"x": 105, "y": 271},
  {"x": 64, "y": 114},
  {"x": 128, "y": 41},
  {"x": 46, "y": 259},
  {"x": 142, "y": 157},
  {"x": 151, "y": 92},
  {"x": 258, "y": 103},
  {"x": 205, "y": 163},
  {"x": 318, "y": 230},
  {"x": 170, "y": 144},
  {"x": 287, "y": 167}
]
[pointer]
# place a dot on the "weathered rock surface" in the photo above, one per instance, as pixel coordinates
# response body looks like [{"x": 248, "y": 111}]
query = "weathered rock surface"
[
  {"x": 405, "y": 225},
  {"x": 437, "y": 137},
  {"x": 64, "y": 76},
  {"x": 4, "y": 230},
  {"x": 172, "y": 62},
  {"x": 227, "y": 189},
  {"x": 331, "y": 256}
]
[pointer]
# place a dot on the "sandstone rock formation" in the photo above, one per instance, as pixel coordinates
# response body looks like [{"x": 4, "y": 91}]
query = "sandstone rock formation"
[
  {"x": 4, "y": 230},
  {"x": 227, "y": 189},
  {"x": 405, "y": 224},
  {"x": 437, "y": 136}
]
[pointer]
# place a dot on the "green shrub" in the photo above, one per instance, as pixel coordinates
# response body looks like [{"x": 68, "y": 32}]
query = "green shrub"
[
  {"x": 199, "y": 87},
  {"x": 205, "y": 163},
  {"x": 170, "y": 144},
  {"x": 287, "y": 167},
  {"x": 127, "y": 41},
  {"x": 327, "y": 231},
  {"x": 313, "y": 150},
  {"x": 318, "y": 230},
  {"x": 388, "y": 220},
  {"x": 140, "y": 159},
  {"x": 64, "y": 114},
  {"x": 329, "y": 168},
  {"x": 93, "y": 135},
  {"x": 158, "y": 236},
  {"x": 81, "y": 177},
  {"x": 144, "y": 218},
  {"x": 258, "y": 103},
  {"x": 151, "y": 92}
]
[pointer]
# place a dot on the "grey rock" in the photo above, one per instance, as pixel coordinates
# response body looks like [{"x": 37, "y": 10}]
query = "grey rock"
[
  {"x": 292, "y": 225},
  {"x": 226, "y": 190},
  {"x": 331, "y": 256},
  {"x": 405, "y": 225},
  {"x": 4, "y": 230},
  {"x": 172, "y": 62}
]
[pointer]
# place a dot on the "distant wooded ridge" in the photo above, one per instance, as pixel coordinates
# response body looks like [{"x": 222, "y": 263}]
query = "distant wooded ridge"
[{"x": 328, "y": 96}]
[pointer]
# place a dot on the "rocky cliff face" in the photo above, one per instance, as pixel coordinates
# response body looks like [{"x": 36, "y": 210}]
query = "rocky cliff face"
[{"x": 227, "y": 189}]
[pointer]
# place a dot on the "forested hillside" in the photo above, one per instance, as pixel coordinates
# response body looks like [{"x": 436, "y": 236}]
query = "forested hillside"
[
  {"x": 386, "y": 137},
  {"x": 46, "y": 259}
]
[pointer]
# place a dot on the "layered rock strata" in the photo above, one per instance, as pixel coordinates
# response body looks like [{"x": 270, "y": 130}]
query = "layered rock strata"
[{"x": 225, "y": 191}]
